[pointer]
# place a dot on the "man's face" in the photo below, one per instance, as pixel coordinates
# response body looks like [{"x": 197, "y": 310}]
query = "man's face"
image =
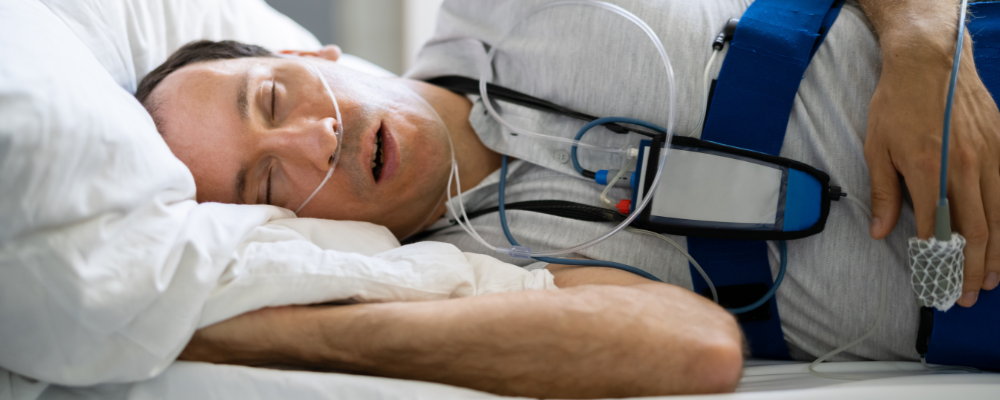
[{"x": 262, "y": 131}]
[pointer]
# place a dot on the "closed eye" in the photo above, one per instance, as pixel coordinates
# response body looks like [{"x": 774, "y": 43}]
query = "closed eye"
[{"x": 274, "y": 98}]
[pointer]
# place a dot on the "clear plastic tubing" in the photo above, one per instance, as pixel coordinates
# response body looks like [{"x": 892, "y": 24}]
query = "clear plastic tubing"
[
  {"x": 487, "y": 71},
  {"x": 339, "y": 132},
  {"x": 487, "y": 75}
]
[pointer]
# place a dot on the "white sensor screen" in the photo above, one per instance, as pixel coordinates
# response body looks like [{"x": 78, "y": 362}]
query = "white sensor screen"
[{"x": 708, "y": 187}]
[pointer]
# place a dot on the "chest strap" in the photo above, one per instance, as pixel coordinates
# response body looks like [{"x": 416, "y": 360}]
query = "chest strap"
[
  {"x": 968, "y": 336},
  {"x": 770, "y": 51}
]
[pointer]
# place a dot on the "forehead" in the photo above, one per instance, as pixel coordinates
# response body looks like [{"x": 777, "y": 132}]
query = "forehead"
[
  {"x": 189, "y": 89},
  {"x": 198, "y": 104}
]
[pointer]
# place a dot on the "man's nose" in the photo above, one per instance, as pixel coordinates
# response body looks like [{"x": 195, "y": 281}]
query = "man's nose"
[{"x": 314, "y": 142}]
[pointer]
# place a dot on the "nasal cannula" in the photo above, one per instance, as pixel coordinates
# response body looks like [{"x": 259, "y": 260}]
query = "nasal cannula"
[{"x": 339, "y": 131}]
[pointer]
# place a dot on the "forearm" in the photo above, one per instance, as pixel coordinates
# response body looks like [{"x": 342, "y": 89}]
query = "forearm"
[{"x": 594, "y": 341}]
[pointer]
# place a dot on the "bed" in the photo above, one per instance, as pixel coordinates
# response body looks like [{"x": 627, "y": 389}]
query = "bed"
[
  {"x": 761, "y": 380},
  {"x": 107, "y": 264}
]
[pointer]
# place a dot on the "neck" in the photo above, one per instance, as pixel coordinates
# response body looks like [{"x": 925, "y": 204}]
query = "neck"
[{"x": 475, "y": 160}]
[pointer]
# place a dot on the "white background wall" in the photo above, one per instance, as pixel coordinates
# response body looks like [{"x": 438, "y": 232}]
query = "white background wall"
[
  {"x": 386, "y": 32},
  {"x": 419, "y": 19}
]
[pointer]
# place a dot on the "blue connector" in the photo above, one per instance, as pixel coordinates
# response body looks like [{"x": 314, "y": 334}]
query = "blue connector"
[{"x": 601, "y": 177}]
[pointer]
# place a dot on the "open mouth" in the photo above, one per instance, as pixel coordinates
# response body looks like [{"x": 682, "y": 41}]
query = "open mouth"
[{"x": 378, "y": 156}]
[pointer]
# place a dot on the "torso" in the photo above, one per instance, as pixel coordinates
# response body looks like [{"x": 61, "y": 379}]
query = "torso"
[{"x": 598, "y": 63}]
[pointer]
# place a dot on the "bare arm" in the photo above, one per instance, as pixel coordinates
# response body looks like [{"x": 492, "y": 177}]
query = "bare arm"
[
  {"x": 584, "y": 342},
  {"x": 905, "y": 121}
]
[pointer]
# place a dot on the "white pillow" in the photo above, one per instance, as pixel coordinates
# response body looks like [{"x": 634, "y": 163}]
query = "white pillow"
[
  {"x": 108, "y": 265},
  {"x": 132, "y": 37},
  {"x": 85, "y": 176}
]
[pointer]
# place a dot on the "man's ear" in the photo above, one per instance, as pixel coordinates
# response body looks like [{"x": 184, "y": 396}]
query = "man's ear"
[{"x": 330, "y": 52}]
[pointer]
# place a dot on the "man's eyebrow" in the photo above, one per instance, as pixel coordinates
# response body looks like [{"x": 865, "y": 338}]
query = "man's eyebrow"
[
  {"x": 241, "y": 185},
  {"x": 243, "y": 97}
]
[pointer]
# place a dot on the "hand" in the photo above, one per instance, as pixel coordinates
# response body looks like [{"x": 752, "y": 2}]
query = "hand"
[{"x": 905, "y": 123}]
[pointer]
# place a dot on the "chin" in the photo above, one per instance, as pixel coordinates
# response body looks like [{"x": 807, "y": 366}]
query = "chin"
[{"x": 421, "y": 211}]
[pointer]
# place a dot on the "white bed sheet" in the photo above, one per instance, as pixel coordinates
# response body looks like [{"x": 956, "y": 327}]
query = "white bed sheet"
[{"x": 189, "y": 380}]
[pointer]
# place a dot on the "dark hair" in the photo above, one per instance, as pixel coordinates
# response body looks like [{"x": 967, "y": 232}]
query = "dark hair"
[{"x": 194, "y": 52}]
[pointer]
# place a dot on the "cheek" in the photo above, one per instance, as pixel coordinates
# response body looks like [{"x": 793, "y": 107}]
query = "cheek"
[
  {"x": 292, "y": 184},
  {"x": 427, "y": 152}
]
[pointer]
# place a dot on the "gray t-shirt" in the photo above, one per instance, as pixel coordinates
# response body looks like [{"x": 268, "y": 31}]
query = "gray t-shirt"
[{"x": 596, "y": 62}]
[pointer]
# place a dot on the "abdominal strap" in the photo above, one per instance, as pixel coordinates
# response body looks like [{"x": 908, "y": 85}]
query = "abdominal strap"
[
  {"x": 750, "y": 108},
  {"x": 971, "y": 336}
]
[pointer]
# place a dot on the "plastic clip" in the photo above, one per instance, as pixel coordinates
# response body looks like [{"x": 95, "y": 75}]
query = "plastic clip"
[
  {"x": 516, "y": 251},
  {"x": 726, "y": 35},
  {"x": 836, "y": 193}
]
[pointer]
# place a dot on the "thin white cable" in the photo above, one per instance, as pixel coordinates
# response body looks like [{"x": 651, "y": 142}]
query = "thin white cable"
[
  {"x": 487, "y": 75},
  {"x": 711, "y": 286},
  {"x": 880, "y": 317},
  {"x": 461, "y": 204},
  {"x": 339, "y": 132},
  {"x": 946, "y": 368},
  {"x": 706, "y": 87}
]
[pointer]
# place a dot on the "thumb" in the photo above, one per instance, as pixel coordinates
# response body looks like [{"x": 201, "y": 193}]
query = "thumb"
[{"x": 885, "y": 194}]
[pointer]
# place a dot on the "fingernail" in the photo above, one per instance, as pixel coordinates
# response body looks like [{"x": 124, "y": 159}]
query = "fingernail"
[
  {"x": 969, "y": 299},
  {"x": 876, "y": 226},
  {"x": 992, "y": 280}
]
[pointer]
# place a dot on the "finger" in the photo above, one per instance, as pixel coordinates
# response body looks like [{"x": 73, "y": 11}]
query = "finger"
[
  {"x": 991, "y": 202},
  {"x": 922, "y": 183},
  {"x": 969, "y": 219},
  {"x": 886, "y": 194}
]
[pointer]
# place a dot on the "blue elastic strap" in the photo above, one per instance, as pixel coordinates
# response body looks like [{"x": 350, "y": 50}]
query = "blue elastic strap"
[
  {"x": 772, "y": 47},
  {"x": 984, "y": 26},
  {"x": 969, "y": 336}
]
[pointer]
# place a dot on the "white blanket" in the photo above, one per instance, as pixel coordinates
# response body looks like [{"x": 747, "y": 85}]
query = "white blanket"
[{"x": 107, "y": 264}]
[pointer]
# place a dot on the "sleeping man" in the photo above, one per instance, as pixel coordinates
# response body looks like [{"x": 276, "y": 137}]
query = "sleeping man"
[{"x": 259, "y": 128}]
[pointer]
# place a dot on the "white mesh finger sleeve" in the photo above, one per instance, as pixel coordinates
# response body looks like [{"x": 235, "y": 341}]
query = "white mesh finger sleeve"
[{"x": 937, "y": 270}]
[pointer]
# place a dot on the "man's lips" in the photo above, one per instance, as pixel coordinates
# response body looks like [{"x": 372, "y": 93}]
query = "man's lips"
[
  {"x": 390, "y": 150},
  {"x": 378, "y": 156},
  {"x": 382, "y": 155}
]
